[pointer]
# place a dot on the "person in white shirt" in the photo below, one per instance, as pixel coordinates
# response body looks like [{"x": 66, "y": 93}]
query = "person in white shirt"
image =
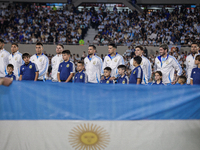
[
  {"x": 191, "y": 59},
  {"x": 4, "y": 60},
  {"x": 93, "y": 65},
  {"x": 41, "y": 61},
  {"x": 16, "y": 59},
  {"x": 112, "y": 60},
  {"x": 55, "y": 61},
  {"x": 167, "y": 64},
  {"x": 145, "y": 65}
]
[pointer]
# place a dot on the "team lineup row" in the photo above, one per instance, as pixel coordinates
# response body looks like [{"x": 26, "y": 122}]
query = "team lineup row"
[{"x": 63, "y": 69}]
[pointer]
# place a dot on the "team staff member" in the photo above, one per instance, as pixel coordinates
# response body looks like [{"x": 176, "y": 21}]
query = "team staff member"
[
  {"x": 112, "y": 60},
  {"x": 55, "y": 61},
  {"x": 93, "y": 65},
  {"x": 190, "y": 60},
  {"x": 4, "y": 61},
  {"x": 167, "y": 64},
  {"x": 145, "y": 64},
  {"x": 41, "y": 61},
  {"x": 16, "y": 59}
]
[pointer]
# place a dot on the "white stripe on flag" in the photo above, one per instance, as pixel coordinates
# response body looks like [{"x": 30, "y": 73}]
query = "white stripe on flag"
[{"x": 108, "y": 135}]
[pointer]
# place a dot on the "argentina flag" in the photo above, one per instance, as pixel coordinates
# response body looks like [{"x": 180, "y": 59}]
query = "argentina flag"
[{"x": 69, "y": 116}]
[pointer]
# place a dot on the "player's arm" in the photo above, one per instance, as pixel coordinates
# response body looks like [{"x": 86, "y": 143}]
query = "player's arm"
[
  {"x": 44, "y": 67},
  {"x": 72, "y": 71},
  {"x": 138, "y": 80},
  {"x": 178, "y": 68},
  {"x": 58, "y": 76},
  {"x": 191, "y": 81},
  {"x": 139, "y": 75},
  {"x": 70, "y": 77},
  {"x": 20, "y": 77},
  {"x": 148, "y": 70},
  {"x": 36, "y": 75}
]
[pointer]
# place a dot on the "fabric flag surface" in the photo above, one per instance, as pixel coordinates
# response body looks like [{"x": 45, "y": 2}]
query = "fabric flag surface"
[{"x": 49, "y": 116}]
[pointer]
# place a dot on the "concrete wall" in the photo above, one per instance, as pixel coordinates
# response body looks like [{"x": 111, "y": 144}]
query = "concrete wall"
[{"x": 50, "y": 49}]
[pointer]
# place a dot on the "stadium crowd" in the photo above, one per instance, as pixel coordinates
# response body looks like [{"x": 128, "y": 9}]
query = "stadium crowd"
[
  {"x": 180, "y": 27},
  {"x": 31, "y": 24}
]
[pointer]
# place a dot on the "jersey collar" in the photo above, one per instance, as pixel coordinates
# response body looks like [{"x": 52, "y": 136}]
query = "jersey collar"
[
  {"x": 159, "y": 57},
  {"x": 111, "y": 57}
]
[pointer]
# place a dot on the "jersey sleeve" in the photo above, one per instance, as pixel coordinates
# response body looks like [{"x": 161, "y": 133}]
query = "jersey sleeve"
[
  {"x": 192, "y": 75},
  {"x": 139, "y": 73},
  {"x": 44, "y": 67},
  {"x": 86, "y": 78},
  {"x": 177, "y": 66},
  {"x": 21, "y": 72},
  {"x": 104, "y": 65},
  {"x": 148, "y": 69},
  {"x": 72, "y": 68},
  {"x": 36, "y": 68}
]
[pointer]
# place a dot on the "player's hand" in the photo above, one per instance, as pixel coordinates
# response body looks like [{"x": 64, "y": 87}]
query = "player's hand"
[
  {"x": 5, "y": 81},
  {"x": 174, "y": 82},
  {"x": 112, "y": 78}
]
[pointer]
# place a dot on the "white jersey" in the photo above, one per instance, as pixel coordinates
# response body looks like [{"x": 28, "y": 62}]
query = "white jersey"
[
  {"x": 190, "y": 64},
  {"x": 55, "y": 61},
  {"x": 42, "y": 63},
  {"x": 4, "y": 60},
  {"x": 146, "y": 68},
  {"x": 167, "y": 67},
  {"x": 93, "y": 68},
  {"x": 16, "y": 61},
  {"x": 113, "y": 63}
]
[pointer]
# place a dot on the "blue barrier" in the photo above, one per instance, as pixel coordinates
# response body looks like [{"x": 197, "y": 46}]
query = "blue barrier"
[{"x": 29, "y": 100}]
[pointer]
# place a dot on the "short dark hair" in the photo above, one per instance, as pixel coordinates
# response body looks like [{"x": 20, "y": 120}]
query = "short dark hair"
[
  {"x": 39, "y": 43},
  {"x": 138, "y": 59},
  {"x": 25, "y": 55},
  {"x": 108, "y": 69},
  {"x": 10, "y": 65},
  {"x": 195, "y": 43},
  {"x": 15, "y": 44},
  {"x": 140, "y": 47},
  {"x": 61, "y": 45},
  {"x": 183, "y": 78},
  {"x": 94, "y": 47},
  {"x": 197, "y": 57},
  {"x": 66, "y": 52},
  {"x": 113, "y": 45},
  {"x": 1, "y": 40},
  {"x": 159, "y": 72},
  {"x": 123, "y": 67},
  {"x": 164, "y": 46},
  {"x": 81, "y": 62}
]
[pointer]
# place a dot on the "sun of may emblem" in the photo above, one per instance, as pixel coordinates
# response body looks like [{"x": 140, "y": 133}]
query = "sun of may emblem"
[{"x": 89, "y": 137}]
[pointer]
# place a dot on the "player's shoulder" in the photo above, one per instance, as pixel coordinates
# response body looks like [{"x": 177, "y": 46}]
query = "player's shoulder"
[{"x": 5, "y": 52}]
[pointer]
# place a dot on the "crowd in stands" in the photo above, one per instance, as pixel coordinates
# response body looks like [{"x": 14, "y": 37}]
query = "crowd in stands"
[
  {"x": 25, "y": 23},
  {"x": 30, "y": 24},
  {"x": 180, "y": 27}
]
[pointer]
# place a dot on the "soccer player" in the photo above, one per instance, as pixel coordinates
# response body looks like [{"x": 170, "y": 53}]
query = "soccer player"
[
  {"x": 29, "y": 70},
  {"x": 145, "y": 64},
  {"x": 123, "y": 78},
  {"x": 10, "y": 69},
  {"x": 55, "y": 61},
  {"x": 195, "y": 75},
  {"x": 16, "y": 59},
  {"x": 167, "y": 64},
  {"x": 190, "y": 60},
  {"x": 158, "y": 78},
  {"x": 80, "y": 76},
  {"x": 4, "y": 61},
  {"x": 107, "y": 76},
  {"x": 112, "y": 60},
  {"x": 137, "y": 73},
  {"x": 93, "y": 65},
  {"x": 66, "y": 69},
  {"x": 41, "y": 61}
]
